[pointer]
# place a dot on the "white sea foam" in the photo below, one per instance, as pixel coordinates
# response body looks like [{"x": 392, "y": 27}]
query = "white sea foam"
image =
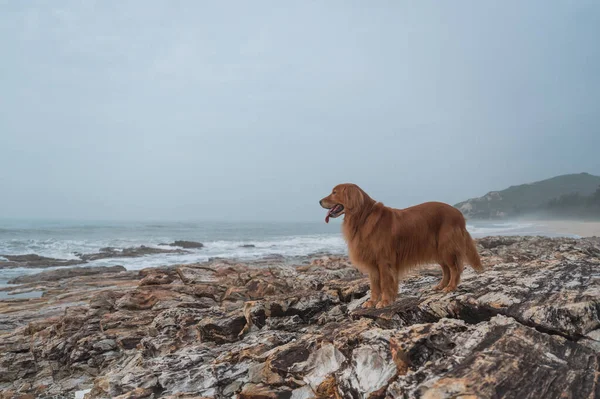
[
  {"x": 287, "y": 247},
  {"x": 284, "y": 246}
]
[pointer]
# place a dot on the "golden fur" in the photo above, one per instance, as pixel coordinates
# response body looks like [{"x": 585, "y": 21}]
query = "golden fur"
[{"x": 385, "y": 242}]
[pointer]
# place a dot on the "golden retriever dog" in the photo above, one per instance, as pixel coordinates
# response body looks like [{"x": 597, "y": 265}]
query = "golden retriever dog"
[{"x": 386, "y": 242}]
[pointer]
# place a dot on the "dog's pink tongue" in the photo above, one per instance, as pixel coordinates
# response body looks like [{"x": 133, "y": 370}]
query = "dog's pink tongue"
[{"x": 327, "y": 218}]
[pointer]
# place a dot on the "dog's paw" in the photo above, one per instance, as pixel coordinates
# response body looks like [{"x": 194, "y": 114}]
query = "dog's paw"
[
  {"x": 439, "y": 287},
  {"x": 449, "y": 289},
  {"x": 369, "y": 304},
  {"x": 383, "y": 303}
]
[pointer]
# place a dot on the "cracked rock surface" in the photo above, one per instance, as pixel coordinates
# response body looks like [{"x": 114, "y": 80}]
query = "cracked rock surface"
[{"x": 528, "y": 327}]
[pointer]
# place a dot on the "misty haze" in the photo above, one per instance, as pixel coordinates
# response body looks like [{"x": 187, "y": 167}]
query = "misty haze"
[{"x": 170, "y": 224}]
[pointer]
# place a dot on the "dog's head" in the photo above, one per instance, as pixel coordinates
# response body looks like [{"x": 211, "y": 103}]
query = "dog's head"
[{"x": 344, "y": 199}]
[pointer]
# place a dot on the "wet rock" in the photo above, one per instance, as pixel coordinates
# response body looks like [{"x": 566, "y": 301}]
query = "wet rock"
[
  {"x": 557, "y": 296},
  {"x": 133, "y": 252},
  {"x": 331, "y": 262},
  {"x": 197, "y": 275},
  {"x": 254, "y": 391},
  {"x": 105, "y": 300},
  {"x": 174, "y": 327},
  {"x": 185, "y": 395},
  {"x": 15, "y": 395},
  {"x": 306, "y": 305},
  {"x": 105, "y": 345},
  {"x": 289, "y": 357},
  {"x": 186, "y": 244},
  {"x": 372, "y": 367},
  {"x": 35, "y": 261},
  {"x": 492, "y": 359},
  {"x": 403, "y": 312},
  {"x": 262, "y": 373},
  {"x": 248, "y": 246},
  {"x": 136, "y": 300},
  {"x": 221, "y": 327},
  {"x": 130, "y": 340},
  {"x": 284, "y": 323},
  {"x": 138, "y": 393},
  {"x": 17, "y": 366},
  {"x": 59, "y": 274},
  {"x": 350, "y": 288},
  {"x": 321, "y": 365},
  {"x": 157, "y": 279}
]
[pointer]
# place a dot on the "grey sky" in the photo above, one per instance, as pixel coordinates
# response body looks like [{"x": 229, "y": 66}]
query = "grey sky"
[{"x": 254, "y": 110}]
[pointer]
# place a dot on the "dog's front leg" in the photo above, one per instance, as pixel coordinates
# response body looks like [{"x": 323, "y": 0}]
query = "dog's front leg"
[{"x": 375, "y": 283}]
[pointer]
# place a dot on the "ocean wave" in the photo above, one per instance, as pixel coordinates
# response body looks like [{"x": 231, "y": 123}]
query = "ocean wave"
[
  {"x": 291, "y": 246},
  {"x": 287, "y": 247},
  {"x": 244, "y": 242},
  {"x": 61, "y": 249}
]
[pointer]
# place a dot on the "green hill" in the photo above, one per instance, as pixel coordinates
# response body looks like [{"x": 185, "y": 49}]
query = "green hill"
[{"x": 574, "y": 195}]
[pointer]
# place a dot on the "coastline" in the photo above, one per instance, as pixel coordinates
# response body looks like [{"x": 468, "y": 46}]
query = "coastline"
[
  {"x": 570, "y": 227},
  {"x": 32, "y": 250}
]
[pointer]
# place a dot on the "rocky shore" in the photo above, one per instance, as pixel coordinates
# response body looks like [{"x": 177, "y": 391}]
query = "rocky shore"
[{"x": 528, "y": 327}]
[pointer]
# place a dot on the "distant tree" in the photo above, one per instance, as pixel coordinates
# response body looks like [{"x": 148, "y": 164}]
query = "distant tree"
[
  {"x": 593, "y": 206},
  {"x": 567, "y": 201},
  {"x": 516, "y": 210},
  {"x": 595, "y": 197}
]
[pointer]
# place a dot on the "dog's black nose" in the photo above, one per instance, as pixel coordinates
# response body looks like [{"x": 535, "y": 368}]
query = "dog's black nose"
[{"x": 321, "y": 202}]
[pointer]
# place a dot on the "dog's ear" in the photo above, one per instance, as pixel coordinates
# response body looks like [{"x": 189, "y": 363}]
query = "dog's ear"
[{"x": 354, "y": 196}]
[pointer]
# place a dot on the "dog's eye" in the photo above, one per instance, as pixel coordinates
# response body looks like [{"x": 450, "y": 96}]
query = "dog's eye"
[{"x": 334, "y": 192}]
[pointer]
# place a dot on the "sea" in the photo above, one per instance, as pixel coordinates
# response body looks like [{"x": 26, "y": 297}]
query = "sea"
[{"x": 228, "y": 240}]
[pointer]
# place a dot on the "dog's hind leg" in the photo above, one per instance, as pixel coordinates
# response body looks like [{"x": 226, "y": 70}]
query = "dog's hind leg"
[
  {"x": 456, "y": 268},
  {"x": 445, "y": 277},
  {"x": 451, "y": 253},
  {"x": 389, "y": 285},
  {"x": 375, "y": 284}
]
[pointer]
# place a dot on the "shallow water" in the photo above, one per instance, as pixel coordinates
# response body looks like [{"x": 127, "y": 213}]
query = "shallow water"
[{"x": 20, "y": 295}]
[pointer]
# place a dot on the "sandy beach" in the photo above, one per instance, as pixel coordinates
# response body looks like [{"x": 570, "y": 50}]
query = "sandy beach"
[{"x": 577, "y": 227}]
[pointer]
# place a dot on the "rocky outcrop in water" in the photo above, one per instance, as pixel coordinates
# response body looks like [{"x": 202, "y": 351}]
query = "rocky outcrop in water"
[
  {"x": 36, "y": 261},
  {"x": 528, "y": 327},
  {"x": 187, "y": 244},
  {"x": 133, "y": 252},
  {"x": 33, "y": 260}
]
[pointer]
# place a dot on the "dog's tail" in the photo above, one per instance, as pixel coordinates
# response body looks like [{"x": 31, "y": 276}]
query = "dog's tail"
[{"x": 471, "y": 253}]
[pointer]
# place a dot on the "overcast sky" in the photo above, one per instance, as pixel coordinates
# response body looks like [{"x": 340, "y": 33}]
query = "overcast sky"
[{"x": 253, "y": 110}]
